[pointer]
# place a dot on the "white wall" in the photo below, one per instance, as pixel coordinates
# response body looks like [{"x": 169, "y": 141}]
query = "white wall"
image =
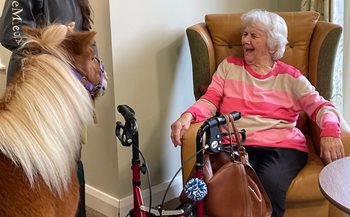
[
  {"x": 99, "y": 155},
  {"x": 346, "y": 74},
  {"x": 152, "y": 73}
]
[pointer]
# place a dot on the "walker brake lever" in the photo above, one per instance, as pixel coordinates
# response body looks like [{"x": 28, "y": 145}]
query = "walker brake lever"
[{"x": 121, "y": 134}]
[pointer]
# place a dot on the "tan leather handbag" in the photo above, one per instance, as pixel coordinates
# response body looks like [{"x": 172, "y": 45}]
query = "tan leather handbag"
[{"x": 234, "y": 189}]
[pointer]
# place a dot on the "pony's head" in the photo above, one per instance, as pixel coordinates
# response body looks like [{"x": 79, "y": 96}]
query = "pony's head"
[
  {"x": 78, "y": 48},
  {"x": 45, "y": 106}
]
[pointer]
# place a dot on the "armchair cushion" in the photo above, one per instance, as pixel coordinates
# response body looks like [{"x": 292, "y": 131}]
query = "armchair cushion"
[
  {"x": 303, "y": 188},
  {"x": 225, "y": 31}
]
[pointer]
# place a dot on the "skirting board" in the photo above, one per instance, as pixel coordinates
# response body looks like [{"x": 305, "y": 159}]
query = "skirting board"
[{"x": 114, "y": 207}]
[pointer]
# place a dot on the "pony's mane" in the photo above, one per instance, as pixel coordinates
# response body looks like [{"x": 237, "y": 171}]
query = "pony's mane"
[{"x": 43, "y": 111}]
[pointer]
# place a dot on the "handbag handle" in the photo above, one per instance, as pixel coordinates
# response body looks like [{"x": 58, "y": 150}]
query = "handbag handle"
[{"x": 231, "y": 127}]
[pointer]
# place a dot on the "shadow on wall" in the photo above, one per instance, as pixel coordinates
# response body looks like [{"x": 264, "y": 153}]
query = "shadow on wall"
[
  {"x": 161, "y": 78},
  {"x": 175, "y": 95}
]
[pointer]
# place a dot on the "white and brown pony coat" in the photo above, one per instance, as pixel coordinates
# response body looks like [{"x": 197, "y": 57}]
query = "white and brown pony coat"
[{"x": 42, "y": 113}]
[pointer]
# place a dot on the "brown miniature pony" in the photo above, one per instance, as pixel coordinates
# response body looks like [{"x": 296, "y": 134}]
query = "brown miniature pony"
[{"x": 42, "y": 113}]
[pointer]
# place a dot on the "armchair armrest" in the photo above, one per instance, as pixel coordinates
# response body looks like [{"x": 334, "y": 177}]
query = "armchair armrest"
[
  {"x": 345, "y": 138},
  {"x": 188, "y": 149},
  {"x": 202, "y": 55},
  {"x": 314, "y": 133}
]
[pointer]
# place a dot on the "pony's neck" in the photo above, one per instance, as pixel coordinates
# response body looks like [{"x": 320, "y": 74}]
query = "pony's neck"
[{"x": 44, "y": 112}]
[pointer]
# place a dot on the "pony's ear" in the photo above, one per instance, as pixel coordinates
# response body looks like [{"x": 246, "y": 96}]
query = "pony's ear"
[
  {"x": 31, "y": 31},
  {"x": 86, "y": 38},
  {"x": 78, "y": 42}
]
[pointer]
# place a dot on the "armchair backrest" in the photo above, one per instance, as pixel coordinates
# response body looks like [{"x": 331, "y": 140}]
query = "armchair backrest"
[{"x": 311, "y": 48}]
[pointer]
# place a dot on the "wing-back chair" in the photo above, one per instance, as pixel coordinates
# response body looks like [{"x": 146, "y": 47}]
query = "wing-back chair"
[{"x": 311, "y": 48}]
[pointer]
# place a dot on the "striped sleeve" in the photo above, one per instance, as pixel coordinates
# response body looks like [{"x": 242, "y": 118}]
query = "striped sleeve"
[
  {"x": 320, "y": 110},
  {"x": 207, "y": 106}
]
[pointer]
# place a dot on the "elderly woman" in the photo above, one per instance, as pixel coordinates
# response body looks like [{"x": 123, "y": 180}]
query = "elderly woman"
[{"x": 270, "y": 95}]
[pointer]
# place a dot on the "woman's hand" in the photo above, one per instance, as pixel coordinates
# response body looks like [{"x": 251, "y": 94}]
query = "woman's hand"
[
  {"x": 331, "y": 149},
  {"x": 179, "y": 127}
]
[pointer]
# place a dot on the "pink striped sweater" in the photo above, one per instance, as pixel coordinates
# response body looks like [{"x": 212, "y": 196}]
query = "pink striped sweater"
[{"x": 270, "y": 104}]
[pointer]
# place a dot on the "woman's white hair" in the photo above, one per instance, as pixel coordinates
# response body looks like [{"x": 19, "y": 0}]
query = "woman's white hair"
[{"x": 273, "y": 25}]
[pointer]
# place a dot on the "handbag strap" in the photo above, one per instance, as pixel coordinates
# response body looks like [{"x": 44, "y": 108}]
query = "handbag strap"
[{"x": 231, "y": 127}]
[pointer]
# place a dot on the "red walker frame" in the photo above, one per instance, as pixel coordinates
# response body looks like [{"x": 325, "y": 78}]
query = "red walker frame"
[{"x": 128, "y": 136}]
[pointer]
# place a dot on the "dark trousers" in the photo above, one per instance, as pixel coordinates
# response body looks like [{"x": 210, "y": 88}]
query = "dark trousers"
[
  {"x": 276, "y": 168},
  {"x": 81, "y": 206}
]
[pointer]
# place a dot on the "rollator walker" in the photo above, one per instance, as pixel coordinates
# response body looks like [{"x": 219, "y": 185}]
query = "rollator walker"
[{"x": 127, "y": 134}]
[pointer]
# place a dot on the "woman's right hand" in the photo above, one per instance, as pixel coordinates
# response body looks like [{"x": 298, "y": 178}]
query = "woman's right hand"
[{"x": 179, "y": 127}]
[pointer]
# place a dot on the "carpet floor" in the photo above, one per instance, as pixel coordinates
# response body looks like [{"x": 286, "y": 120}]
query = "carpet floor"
[
  {"x": 93, "y": 213},
  {"x": 172, "y": 204}
]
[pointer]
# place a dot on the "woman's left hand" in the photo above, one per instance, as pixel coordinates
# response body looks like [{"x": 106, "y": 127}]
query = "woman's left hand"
[{"x": 331, "y": 149}]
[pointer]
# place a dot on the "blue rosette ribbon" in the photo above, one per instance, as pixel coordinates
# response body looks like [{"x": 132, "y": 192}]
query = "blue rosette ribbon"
[{"x": 196, "y": 189}]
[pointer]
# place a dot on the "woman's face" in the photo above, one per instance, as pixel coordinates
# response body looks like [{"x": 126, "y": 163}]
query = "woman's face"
[{"x": 254, "y": 43}]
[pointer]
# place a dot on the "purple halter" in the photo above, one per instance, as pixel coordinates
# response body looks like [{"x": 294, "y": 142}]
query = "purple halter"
[{"x": 87, "y": 84}]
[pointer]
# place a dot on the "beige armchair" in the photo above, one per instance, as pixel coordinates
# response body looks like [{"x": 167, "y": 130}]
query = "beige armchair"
[{"x": 311, "y": 49}]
